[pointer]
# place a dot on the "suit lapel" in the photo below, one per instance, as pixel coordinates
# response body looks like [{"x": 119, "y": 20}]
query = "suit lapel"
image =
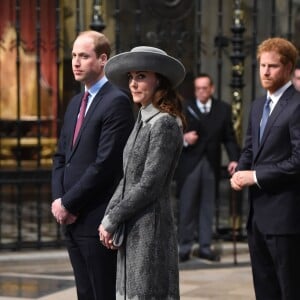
[
  {"x": 89, "y": 113},
  {"x": 193, "y": 110},
  {"x": 283, "y": 101},
  {"x": 274, "y": 115},
  {"x": 74, "y": 117},
  {"x": 256, "y": 125}
]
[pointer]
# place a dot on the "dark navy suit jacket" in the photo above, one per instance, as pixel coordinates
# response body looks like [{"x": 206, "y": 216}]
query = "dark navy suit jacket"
[
  {"x": 214, "y": 129},
  {"x": 276, "y": 204},
  {"x": 85, "y": 175}
]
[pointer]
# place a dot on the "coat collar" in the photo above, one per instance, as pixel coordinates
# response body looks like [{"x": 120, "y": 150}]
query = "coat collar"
[{"x": 148, "y": 112}]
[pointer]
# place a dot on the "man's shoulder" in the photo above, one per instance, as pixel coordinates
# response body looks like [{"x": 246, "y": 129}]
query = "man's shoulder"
[
  {"x": 189, "y": 103},
  {"x": 112, "y": 96},
  {"x": 220, "y": 106},
  {"x": 109, "y": 88},
  {"x": 220, "y": 102}
]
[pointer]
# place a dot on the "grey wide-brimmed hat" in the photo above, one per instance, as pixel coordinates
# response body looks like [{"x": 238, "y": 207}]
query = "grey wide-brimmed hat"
[{"x": 143, "y": 58}]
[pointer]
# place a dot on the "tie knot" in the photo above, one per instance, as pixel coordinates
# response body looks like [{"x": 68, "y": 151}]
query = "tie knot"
[
  {"x": 268, "y": 104},
  {"x": 205, "y": 108}
]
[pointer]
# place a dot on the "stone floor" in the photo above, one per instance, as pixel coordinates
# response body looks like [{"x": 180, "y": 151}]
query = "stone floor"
[{"x": 47, "y": 275}]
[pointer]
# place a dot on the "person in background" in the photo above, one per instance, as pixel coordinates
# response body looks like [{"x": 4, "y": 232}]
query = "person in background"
[
  {"x": 147, "y": 265},
  {"x": 270, "y": 166},
  {"x": 209, "y": 125},
  {"x": 296, "y": 76},
  {"x": 87, "y": 166}
]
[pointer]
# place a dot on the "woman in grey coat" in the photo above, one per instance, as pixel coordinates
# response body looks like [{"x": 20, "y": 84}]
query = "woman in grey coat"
[{"x": 148, "y": 257}]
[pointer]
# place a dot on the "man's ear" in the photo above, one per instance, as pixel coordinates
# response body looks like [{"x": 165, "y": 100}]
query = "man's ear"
[
  {"x": 103, "y": 59},
  {"x": 213, "y": 89}
]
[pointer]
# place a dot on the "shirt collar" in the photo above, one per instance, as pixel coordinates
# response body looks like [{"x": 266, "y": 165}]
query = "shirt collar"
[
  {"x": 207, "y": 104},
  {"x": 94, "y": 89},
  {"x": 276, "y": 95}
]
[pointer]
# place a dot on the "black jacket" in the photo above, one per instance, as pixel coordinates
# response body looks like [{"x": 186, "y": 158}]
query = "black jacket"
[{"x": 214, "y": 129}]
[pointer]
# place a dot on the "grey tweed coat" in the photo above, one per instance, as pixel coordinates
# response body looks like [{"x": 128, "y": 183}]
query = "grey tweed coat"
[{"x": 148, "y": 260}]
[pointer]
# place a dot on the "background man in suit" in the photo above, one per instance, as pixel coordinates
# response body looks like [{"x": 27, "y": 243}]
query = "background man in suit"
[
  {"x": 209, "y": 125},
  {"x": 270, "y": 166},
  {"x": 87, "y": 170}
]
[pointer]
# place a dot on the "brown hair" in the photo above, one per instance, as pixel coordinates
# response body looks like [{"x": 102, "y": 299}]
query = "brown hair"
[
  {"x": 168, "y": 100},
  {"x": 287, "y": 51},
  {"x": 101, "y": 42}
]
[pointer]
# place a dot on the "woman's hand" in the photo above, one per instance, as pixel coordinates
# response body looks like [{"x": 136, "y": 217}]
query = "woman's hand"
[{"x": 105, "y": 238}]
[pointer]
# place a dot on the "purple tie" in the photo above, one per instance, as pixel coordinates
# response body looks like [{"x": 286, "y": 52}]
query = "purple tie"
[{"x": 81, "y": 115}]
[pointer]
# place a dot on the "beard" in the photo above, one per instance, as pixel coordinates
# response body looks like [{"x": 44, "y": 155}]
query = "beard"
[{"x": 272, "y": 84}]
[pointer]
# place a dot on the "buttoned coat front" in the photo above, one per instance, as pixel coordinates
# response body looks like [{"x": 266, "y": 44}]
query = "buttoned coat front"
[{"x": 148, "y": 260}]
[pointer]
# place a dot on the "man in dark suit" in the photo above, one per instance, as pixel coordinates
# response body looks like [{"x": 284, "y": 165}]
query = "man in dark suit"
[
  {"x": 270, "y": 166},
  {"x": 87, "y": 168},
  {"x": 209, "y": 125}
]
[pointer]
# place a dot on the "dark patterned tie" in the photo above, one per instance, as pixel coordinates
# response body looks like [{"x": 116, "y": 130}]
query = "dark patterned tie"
[
  {"x": 81, "y": 115},
  {"x": 265, "y": 117}
]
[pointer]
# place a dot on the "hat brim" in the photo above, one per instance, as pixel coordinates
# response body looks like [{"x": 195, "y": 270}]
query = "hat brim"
[{"x": 118, "y": 66}]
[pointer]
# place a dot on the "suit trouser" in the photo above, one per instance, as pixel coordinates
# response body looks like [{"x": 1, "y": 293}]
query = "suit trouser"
[
  {"x": 197, "y": 204},
  {"x": 275, "y": 263},
  {"x": 94, "y": 267}
]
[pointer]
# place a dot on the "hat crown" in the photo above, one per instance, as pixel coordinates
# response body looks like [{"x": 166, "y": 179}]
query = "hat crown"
[{"x": 148, "y": 49}]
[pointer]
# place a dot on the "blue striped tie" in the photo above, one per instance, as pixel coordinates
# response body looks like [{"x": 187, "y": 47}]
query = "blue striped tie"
[{"x": 264, "y": 118}]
